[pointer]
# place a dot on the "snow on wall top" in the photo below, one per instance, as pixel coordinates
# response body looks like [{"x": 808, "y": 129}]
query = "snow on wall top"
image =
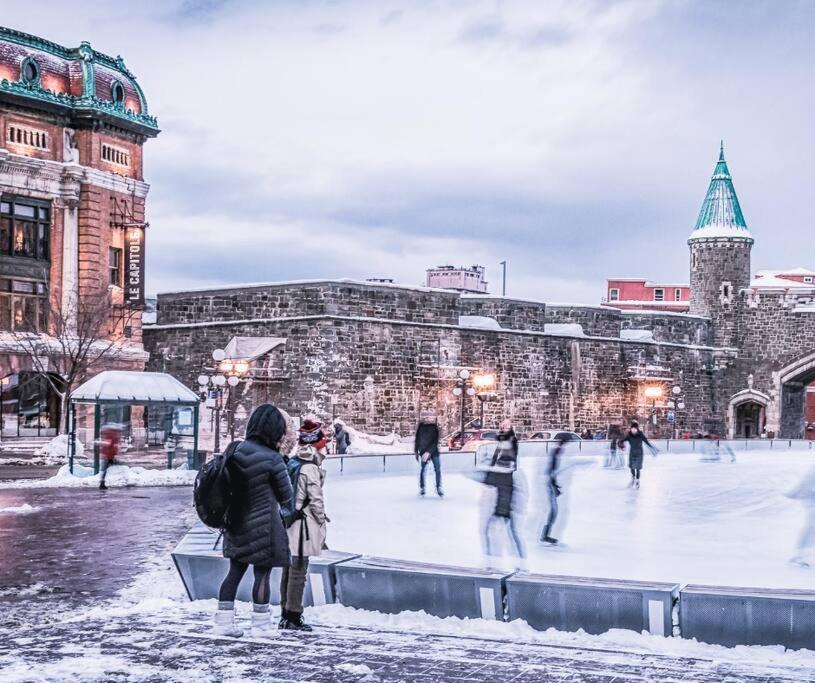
[
  {"x": 142, "y": 387},
  {"x": 721, "y": 215},
  {"x": 481, "y": 322},
  {"x": 564, "y": 329}
]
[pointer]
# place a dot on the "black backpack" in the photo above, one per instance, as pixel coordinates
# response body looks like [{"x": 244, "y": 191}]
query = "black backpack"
[
  {"x": 293, "y": 465},
  {"x": 212, "y": 492}
]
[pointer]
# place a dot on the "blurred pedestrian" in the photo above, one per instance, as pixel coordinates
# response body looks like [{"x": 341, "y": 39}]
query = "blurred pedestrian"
[
  {"x": 552, "y": 488},
  {"x": 614, "y": 457},
  {"x": 255, "y": 533},
  {"x": 306, "y": 535},
  {"x": 110, "y": 442},
  {"x": 805, "y": 494},
  {"x": 426, "y": 449},
  {"x": 342, "y": 440},
  {"x": 635, "y": 438},
  {"x": 501, "y": 475}
]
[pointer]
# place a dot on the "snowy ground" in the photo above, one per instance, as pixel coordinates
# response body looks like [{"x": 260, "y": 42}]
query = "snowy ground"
[
  {"x": 691, "y": 522},
  {"x": 88, "y": 592}
]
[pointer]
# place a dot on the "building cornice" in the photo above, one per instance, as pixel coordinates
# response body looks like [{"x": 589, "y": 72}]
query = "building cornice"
[{"x": 60, "y": 179}]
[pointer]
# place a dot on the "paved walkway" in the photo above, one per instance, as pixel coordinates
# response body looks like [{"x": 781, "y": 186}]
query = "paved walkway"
[{"x": 60, "y": 619}]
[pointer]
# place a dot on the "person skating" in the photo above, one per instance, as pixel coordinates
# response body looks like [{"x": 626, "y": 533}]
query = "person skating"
[
  {"x": 552, "y": 487},
  {"x": 426, "y": 449},
  {"x": 500, "y": 475},
  {"x": 805, "y": 494},
  {"x": 342, "y": 440},
  {"x": 306, "y": 536},
  {"x": 635, "y": 438},
  {"x": 255, "y": 533},
  {"x": 614, "y": 457}
]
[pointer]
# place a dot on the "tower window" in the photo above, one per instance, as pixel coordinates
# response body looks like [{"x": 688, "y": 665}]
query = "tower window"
[
  {"x": 116, "y": 155},
  {"x": 115, "y": 266},
  {"x": 659, "y": 294},
  {"x": 117, "y": 92},
  {"x": 30, "y": 71},
  {"x": 677, "y": 294},
  {"x": 29, "y": 137}
]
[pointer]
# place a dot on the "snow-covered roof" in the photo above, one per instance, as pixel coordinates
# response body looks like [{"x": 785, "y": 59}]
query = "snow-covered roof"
[
  {"x": 777, "y": 283},
  {"x": 134, "y": 387},
  {"x": 320, "y": 281},
  {"x": 250, "y": 348},
  {"x": 790, "y": 271},
  {"x": 721, "y": 215}
]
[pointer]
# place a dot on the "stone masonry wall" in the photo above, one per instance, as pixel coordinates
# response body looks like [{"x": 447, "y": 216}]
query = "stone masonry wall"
[{"x": 669, "y": 327}]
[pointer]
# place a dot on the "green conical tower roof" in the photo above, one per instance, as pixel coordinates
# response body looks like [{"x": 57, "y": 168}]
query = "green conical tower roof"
[{"x": 720, "y": 215}]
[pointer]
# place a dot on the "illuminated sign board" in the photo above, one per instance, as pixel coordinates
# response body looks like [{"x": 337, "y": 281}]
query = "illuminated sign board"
[{"x": 134, "y": 266}]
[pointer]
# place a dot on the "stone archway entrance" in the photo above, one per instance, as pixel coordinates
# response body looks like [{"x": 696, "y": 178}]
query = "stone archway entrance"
[
  {"x": 792, "y": 382},
  {"x": 749, "y": 420},
  {"x": 747, "y": 414}
]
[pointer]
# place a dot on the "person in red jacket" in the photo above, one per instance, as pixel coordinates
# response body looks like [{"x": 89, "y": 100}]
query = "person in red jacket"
[{"x": 109, "y": 444}]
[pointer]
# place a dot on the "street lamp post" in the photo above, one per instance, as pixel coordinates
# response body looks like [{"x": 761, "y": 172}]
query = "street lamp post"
[
  {"x": 653, "y": 393},
  {"x": 677, "y": 403},
  {"x": 226, "y": 372},
  {"x": 467, "y": 385}
]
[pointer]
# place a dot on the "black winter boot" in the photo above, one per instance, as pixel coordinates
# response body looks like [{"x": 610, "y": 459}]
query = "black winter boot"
[
  {"x": 284, "y": 617},
  {"x": 294, "y": 622}
]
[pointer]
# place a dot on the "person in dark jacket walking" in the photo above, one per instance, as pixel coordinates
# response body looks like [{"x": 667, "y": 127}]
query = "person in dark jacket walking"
[
  {"x": 635, "y": 438},
  {"x": 553, "y": 489},
  {"x": 500, "y": 474},
  {"x": 426, "y": 448},
  {"x": 255, "y": 533},
  {"x": 341, "y": 439}
]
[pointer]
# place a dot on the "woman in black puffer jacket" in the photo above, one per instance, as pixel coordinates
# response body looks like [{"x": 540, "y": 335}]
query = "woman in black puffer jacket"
[{"x": 256, "y": 534}]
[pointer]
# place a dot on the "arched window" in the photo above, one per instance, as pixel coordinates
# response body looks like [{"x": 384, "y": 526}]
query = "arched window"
[
  {"x": 117, "y": 93},
  {"x": 30, "y": 71}
]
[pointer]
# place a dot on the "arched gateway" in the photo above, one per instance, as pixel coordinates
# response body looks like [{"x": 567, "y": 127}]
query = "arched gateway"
[{"x": 791, "y": 383}]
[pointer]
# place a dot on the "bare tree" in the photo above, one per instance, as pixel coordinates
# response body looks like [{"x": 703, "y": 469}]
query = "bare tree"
[{"x": 83, "y": 333}]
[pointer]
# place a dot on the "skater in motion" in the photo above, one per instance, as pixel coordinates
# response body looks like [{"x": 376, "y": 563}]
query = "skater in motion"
[
  {"x": 636, "y": 438},
  {"x": 805, "y": 494},
  {"x": 613, "y": 457},
  {"x": 553, "y": 489},
  {"x": 426, "y": 449},
  {"x": 110, "y": 443},
  {"x": 255, "y": 535},
  {"x": 500, "y": 475}
]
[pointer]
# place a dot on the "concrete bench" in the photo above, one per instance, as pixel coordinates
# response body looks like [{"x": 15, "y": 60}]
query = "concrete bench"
[
  {"x": 569, "y": 603},
  {"x": 394, "y": 586},
  {"x": 748, "y": 616},
  {"x": 202, "y": 567}
]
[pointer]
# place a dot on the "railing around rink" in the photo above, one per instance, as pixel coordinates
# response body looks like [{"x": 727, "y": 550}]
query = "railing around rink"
[{"x": 465, "y": 461}]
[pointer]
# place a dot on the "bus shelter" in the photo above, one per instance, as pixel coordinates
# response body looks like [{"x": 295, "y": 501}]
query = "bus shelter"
[{"x": 113, "y": 393}]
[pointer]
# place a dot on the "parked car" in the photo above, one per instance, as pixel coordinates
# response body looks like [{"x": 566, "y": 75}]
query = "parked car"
[
  {"x": 555, "y": 435},
  {"x": 472, "y": 437}
]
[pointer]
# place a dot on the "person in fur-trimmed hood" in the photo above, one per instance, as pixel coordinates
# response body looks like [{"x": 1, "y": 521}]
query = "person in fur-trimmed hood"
[{"x": 306, "y": 535}]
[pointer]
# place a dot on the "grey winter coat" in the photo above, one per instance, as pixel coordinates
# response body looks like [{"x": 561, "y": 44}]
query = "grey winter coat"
[
  {"x": 261, "y": 487},
  {"x": 635, "y": 442}
]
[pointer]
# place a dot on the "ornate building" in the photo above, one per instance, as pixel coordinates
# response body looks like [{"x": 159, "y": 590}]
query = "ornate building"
[{"x": 72, "y": 218}]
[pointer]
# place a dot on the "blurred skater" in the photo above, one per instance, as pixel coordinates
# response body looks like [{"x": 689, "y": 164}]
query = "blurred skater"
[
  {"x": 805, "y": 494},
  {"x": 552, "y": 488},
  {"x": 712, "y": 448},
  {"x": 500, "y": 475},
  {"x": 110, "y": 442},
  {"x": 341, "y": 439},
  {"x": 636, "y": 438},
  {"x": 426, "y": 449},
  {"x": 614, "y": 458}
]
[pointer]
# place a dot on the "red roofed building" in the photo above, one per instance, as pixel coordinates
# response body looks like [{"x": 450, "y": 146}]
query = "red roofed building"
[{"x": 633, "y": 294}]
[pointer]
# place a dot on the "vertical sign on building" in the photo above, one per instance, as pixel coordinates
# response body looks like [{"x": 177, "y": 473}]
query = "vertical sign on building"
[{"x": 134, "y": 266}]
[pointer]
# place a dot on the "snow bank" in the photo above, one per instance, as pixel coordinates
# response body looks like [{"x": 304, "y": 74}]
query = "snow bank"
[
  {"x": 564, "y": 329},
  {"x": 117, "y": 476},
  {"x": 24, "y": 509},
  {"x": 56, "y": 450},
  {"x": 637, "y": 335},
  {"x": 479, "y": 322},
  {"x": 366, "y": 444}
]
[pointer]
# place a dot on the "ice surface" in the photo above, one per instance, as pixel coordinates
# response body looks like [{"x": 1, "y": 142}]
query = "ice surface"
[{"x": 691, "y": 522}]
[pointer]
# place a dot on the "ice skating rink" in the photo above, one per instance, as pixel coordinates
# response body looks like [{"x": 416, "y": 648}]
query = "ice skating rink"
[{"x": 718, "y": 523}]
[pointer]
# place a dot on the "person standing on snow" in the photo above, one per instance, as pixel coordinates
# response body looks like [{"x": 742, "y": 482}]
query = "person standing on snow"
[
  {"x": 500, "y": 474},
  {"x": 255, "y": 535},
  {"x": 426, "y": 449},
  {"x": 636, "y": 438},
  {"x": 306, "y": 536},
  {"x": 341, "y": 439}
]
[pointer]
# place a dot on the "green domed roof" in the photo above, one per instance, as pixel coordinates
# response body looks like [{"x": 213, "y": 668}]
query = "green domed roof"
[{"x": 721, "y": 215}]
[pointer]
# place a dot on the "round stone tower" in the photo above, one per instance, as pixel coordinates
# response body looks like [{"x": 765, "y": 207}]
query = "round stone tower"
[{"x": 720, "y": 247}]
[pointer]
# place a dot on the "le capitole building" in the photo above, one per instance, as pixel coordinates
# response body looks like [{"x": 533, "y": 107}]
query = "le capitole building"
[{"x": 73, "y": 122}]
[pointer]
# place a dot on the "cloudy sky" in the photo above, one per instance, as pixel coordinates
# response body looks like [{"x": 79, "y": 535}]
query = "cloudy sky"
[{"x": 373, "y": 139}]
